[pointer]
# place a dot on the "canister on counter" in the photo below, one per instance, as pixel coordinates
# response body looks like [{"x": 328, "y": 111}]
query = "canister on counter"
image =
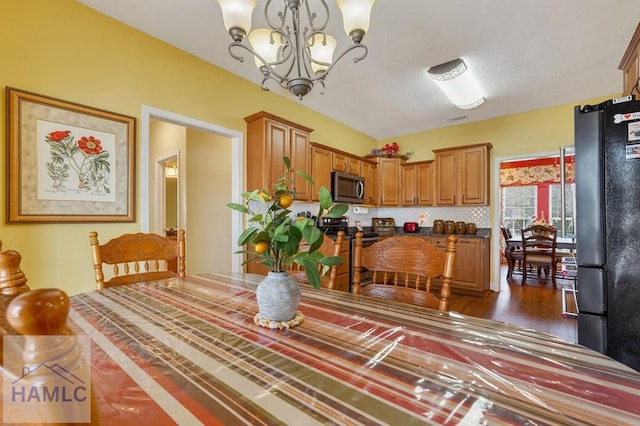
[
  {"x": 449, "y": 227},
  {"x": 471, "y": 228},
  {"x": 438, "y": 226}
]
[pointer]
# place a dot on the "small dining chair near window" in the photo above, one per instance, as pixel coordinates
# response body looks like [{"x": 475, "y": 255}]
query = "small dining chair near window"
[
  {"x": 404, "y": 268},
  {"x": 330, "y": 247},
  {"x": 539, "y": 251},
  {"x": 512, "y": 254},
  {"x": 137, "y": 257}
]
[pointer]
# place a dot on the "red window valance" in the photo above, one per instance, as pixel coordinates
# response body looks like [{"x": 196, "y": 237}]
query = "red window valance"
[{"x": 537, "y": 171}]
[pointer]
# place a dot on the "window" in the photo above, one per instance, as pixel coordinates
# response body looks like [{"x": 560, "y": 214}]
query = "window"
[
  {"x": 519, "y": 207},
  {"x": 554, "y": 208}
]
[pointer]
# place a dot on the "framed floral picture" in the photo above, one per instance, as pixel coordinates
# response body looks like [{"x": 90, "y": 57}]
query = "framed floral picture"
[{"x": 68, "y": 162}]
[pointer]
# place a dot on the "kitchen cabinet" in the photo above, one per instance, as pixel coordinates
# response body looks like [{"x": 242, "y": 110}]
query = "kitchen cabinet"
[
  {"x": 462, "y": 175},
  {"x": 389, "y": 169},
  {"x": 344, "y": 271},
  {"x": 417, "y": 184},
  {"x": 472, "y": 264},
  {"x": 321, "y": 160},
  {"x": 346, "y": 163},
  {"x": 370, "y": 175},
  {"x": 269, "y": 138},
  {"x": 630, "y": 66}
]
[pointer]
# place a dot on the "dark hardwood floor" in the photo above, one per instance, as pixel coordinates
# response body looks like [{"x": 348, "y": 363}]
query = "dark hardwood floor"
[{"x": 536, "y": 305}]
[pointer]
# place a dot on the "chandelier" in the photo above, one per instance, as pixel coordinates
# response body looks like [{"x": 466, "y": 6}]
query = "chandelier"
[{"x": 297, "y": 55}]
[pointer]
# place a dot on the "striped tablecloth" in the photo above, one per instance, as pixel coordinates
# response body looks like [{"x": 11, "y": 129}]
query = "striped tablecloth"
[{"x": 186, "y": 351}]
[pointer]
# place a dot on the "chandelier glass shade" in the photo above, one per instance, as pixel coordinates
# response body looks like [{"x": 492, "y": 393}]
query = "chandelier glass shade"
[
  {"x": 458, "y": 83},
  {"x": 295, "y": 50}
]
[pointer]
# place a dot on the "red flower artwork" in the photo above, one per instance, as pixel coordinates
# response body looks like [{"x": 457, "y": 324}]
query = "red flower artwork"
[
  {"x": 58, "y": 135},
  {"x": 90, "y": 145},
  {"x": 86, "y": 157}
]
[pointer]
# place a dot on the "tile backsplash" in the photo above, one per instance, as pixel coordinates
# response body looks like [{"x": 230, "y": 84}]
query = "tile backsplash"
[{"x": 478, "y": 215}]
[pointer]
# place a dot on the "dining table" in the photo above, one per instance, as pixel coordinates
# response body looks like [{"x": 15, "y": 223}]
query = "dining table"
[
  {"x": 568, "y": 244},
  {"x": 189, "y": 351}
]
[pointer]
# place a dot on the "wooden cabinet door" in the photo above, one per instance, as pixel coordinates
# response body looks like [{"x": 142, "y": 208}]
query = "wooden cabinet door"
[
  {"x": 631, "y": 72},
  {"x": 370, "y": 175},
  {"x": 630, "y": 65},
  {"x": 300, "y": 155},
  {"x": 462, "y": 176},
  {"x": 277, "y": 146},
  {"x": 388, "y": 182},
  {"x": 474, "y": 176},
  {"x": 424, "y": 179},
  {"x": 468, "y": 264},
  {"x": 471, "y": 273},
  {"x": 339, "y": 162},
  {"x": 320, "y": 170},
  {"x": 354, "y": 166},
  {"x": 344, "y": 270},
  {"x": 446, "y": 178},
  {"x": 409, "y": 185},
  {"x": 347, "y": 164}
]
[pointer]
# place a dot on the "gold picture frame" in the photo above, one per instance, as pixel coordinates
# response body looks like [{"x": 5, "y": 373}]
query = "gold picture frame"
[{"x": 68, "y": 163}]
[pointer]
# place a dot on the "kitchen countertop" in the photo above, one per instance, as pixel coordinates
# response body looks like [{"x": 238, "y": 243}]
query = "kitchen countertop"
[
  {"x": 483, "y": 233},
  {"x": 428, "y": 232}
]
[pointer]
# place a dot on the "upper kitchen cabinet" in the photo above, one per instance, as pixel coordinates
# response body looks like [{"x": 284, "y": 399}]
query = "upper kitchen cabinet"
[
  {"x": 370, "y": 174},
  {"x": 462, "y": 175},
  {"x": 342, "y": 162},
  {"x": 630, "y": 66},
  {"x": 269, "y": 138},
  {"x": 417, "y": 184},
  {"x": 389, "y": 169},
  {"x": 321, "y": 159}
]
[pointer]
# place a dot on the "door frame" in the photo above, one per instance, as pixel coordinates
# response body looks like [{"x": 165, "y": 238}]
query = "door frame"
[
  {"x": 237, "y": 168},
  {"x": 496, "y": 233}
]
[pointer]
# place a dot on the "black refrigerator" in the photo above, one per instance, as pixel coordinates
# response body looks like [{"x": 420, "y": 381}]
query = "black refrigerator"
[{"x": 607, "y": 178}]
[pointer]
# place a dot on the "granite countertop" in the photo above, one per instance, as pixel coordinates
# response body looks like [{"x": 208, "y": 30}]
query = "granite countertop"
[{"x": 428, "y": 231}]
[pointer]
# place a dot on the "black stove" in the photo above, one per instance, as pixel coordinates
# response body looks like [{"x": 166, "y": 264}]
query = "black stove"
[{"x": 332, "y": 225}]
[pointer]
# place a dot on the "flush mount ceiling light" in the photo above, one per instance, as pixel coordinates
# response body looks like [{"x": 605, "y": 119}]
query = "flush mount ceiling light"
[
  {"x": 296, "y": 55},
  {"x": 458, "y": 83}
]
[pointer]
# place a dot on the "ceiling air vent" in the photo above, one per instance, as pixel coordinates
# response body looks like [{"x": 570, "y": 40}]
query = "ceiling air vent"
[{"x": 458, "y": 118}]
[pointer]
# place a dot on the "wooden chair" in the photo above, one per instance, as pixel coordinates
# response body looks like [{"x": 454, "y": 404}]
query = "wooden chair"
[
  {"x": 329, "y": 247},
  {"x": 512, "y": 254},
  {"x": 403, "y": 268},
  {"x": 40, "y": 318},
  {"x": 138, "y": 257},
  {"x": 539, "y": 250},
  {"x": 29, "y": 315}
]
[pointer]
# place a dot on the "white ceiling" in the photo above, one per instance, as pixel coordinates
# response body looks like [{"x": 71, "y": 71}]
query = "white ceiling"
[{"x": 526, "y": 55}]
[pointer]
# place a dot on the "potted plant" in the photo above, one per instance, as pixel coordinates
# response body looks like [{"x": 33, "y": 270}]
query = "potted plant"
[{"x": 273, "y": 238}]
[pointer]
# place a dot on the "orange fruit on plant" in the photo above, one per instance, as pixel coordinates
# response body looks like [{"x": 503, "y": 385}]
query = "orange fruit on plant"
[
  {"x": 261, "y": 247},
  {"x": 285, "y": 201}
]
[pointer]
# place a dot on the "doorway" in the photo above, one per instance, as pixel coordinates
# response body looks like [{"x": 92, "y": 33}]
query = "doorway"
[
  {"x": 231, "y": 192},
  {"x": 497, "y": 216}
]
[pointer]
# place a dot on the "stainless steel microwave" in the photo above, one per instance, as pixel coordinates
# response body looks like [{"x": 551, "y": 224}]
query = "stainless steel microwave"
[{"x": 347, "y": 188}]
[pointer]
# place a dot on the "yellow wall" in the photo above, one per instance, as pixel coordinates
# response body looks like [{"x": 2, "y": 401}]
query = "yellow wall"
[
  {"x": 62, "y": 49},
  {"x": 208, "y": 191}
]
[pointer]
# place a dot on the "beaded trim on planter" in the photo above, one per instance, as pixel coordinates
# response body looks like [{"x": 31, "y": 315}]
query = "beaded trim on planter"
[{"x": 278, "y": 324}]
